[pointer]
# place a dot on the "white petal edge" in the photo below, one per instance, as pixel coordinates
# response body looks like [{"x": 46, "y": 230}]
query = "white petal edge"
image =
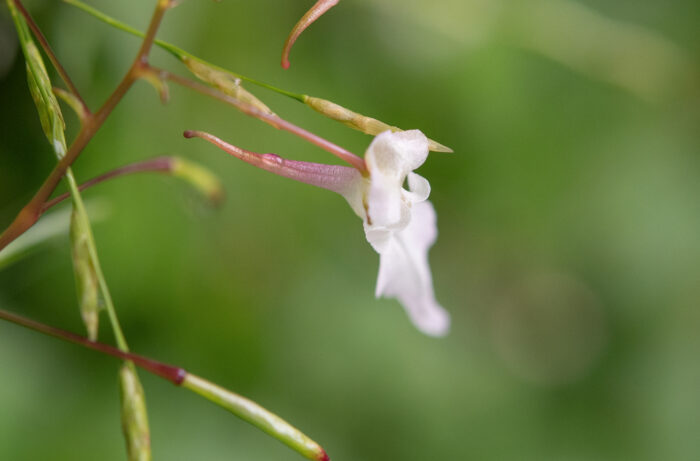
[
  {"x": 396, "y": 154},
  {"x": 419, "y": 188},
  {"x": 404, "y": 272}
]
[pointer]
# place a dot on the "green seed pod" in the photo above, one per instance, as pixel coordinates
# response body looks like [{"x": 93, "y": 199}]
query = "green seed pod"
[
  {"x": 360, "y": 122},
  {"x": 44, "y": 99},
  {"x": 256, "y": 415},
  {"x": 86, "y": 281},
  {"x": 203, "y": 180},
  {"x": 225, "y": 83},
  {"x": 134, "y": 415}
]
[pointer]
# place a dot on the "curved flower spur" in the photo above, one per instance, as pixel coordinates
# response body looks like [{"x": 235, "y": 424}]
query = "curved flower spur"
[{"x": 400, "y": 224}]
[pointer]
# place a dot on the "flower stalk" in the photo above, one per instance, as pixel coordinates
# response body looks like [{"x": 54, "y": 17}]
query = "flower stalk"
[
  {"x": 316, "y": 11},
  {"x": 273, "y": 120},
  {"x": 221, "y": 78}
]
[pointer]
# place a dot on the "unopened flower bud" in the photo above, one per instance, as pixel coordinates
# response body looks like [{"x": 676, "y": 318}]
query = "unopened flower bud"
[
  {"x": 224, "y": 82},
  {"x": 360, "y": 122}
]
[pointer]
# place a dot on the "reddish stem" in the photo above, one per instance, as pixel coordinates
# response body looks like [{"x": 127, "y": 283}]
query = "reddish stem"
[
  {"x": 272, "y": 120},
  {"x": 309, "y": 18},
  {"x": 173, "y": 374},
  {"x": 32, "y": 211},
  {"x": 163, "y": 164}
]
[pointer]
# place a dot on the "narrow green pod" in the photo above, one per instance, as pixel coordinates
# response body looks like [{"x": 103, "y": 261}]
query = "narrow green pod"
[
  {"x": 257, "y": 416},
  {"x": 134, "y": 415}
]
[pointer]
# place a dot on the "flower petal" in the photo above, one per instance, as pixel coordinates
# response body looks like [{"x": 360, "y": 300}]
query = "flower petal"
[
  {"x": 385, "y": 205},
  {"x": 380, "y": 237},
  {"x": 396, "y": 154},
  {"x": 390, "y": 158},
  {"x": 419, "y": 188},
  {"x": 404, "y": 272}
]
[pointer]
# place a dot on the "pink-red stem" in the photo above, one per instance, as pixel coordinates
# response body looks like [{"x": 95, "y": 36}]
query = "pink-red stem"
[{"x": 173, "y": 374}]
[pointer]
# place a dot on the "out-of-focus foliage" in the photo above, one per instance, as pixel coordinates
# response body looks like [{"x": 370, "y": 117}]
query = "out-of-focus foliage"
[{"x": 568, "y": 253}]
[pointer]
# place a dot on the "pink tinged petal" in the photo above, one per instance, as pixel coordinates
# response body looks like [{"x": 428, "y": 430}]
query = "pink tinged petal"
[
  {"x": 309, "y": 18},
  {"x": 324, "y": 144},
  {"x": 404, "y": 272},
  {"x": 341, "y": 179}
]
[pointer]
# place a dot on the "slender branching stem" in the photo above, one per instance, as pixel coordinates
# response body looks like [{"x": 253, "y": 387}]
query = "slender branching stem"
[
  {"x": 240, "y": 406},
  {"x": 158, "y": 164},
  {"x": 176, "y": 51},
  {"x": 92, "y": 123},
  {"x": 171, "y": 373},
  {"x": 51, "y": 55},
  {"x": 32, "y": 210}
]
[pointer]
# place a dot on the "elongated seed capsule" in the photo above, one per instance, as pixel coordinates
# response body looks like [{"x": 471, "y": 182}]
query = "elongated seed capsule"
[
  {"x": 203, "y": 180},
  {"x": 256, "y": 415},
  {"x": 134, "y": 415},
  {"x": 225, "y": 83},
  {"x": 360, "y": 122},
  {"x": 86, "y": 282}
]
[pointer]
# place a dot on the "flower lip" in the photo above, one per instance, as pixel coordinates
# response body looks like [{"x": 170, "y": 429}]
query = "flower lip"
[{"x": 391, "y": 159}]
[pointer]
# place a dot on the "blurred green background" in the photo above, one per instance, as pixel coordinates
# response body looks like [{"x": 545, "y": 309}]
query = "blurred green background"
[{"x": 568, "y": 256}]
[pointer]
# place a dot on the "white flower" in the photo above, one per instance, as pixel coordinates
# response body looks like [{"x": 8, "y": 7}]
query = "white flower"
[{"x": 400, "y": 224}]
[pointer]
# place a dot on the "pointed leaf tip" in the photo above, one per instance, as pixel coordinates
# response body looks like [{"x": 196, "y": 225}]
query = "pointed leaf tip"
[{"x": 309, "y": 18}]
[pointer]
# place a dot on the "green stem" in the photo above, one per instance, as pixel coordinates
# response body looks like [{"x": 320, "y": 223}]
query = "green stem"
[
  {"x": 32, "y": 210},
  {"x": 179, "y": 53}
]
